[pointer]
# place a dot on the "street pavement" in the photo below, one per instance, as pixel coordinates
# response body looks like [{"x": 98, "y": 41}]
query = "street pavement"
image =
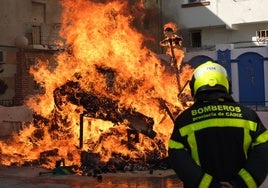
[{"x": 29, "y": 177}]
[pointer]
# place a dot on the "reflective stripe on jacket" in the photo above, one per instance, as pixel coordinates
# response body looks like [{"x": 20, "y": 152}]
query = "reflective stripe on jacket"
[{"x": 219, "y": 137}]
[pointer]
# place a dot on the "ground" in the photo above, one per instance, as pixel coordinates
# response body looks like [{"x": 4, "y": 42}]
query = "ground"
[{"x": 29, "y": 177}]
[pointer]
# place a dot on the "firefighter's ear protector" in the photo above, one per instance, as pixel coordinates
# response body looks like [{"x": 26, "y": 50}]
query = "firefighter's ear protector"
[{"x": 210, "y": 79}]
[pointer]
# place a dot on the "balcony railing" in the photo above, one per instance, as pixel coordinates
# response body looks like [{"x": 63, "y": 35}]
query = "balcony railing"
[{"x": 6, "y": 103}]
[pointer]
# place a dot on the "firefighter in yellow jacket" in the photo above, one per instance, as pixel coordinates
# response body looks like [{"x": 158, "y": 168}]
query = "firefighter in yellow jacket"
[{"x": 218, "y": 142}]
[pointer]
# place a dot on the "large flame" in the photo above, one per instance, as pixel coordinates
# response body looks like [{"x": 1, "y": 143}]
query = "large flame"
[{"x": 104, "y": 56}]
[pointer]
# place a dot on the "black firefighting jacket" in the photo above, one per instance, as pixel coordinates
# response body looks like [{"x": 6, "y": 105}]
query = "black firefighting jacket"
[{"x": 218, "y": 140}]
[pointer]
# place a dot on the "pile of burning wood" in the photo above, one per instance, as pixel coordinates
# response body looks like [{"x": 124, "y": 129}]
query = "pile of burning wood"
[{"x": 101, "y": 107}]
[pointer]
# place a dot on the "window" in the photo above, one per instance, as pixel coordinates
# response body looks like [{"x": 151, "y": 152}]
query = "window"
[
  {"x": 1, "y": 61},
  {"x": 36, "y": 35},
  {"x": 262, "y": 34},
  {"x": 38, "y": 17},
  {"x": 195, "y": 37},
  {"x": 195, "y": 3},
  {"x": 1, "y": 56}
]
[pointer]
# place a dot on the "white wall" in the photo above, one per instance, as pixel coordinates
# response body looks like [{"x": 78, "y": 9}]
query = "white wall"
[
  {"x": 264, "y": 117},
  {"x": 11, "y": 118},
  {"x": 16, "y": 17},
  {"x": 226, "y": 13},
  {"x": 235, "y": 82},
  {"x": 243, "y": 34},
  {"x": 266, "y": 81},
  {"x": 223, "y": 21},
  {"x": 13, "y": 15},
  {"x": 240, "y": 11}
]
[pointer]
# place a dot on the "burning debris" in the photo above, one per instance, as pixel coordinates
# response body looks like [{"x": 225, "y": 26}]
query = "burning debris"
[
  {"x": 101, "y": 107},
  {"x": 107, "y": 104}
]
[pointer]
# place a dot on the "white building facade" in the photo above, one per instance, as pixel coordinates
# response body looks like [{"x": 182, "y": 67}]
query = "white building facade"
[{"x": 232, "y": 32}]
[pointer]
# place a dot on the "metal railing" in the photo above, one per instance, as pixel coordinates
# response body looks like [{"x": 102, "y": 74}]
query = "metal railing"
[{"x": 6, "y": 103}]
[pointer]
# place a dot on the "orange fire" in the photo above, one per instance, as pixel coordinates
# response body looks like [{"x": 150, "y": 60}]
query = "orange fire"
[{"x": 98, "y": 36}]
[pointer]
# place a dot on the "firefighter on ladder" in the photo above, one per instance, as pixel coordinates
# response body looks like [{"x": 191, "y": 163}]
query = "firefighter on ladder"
[{"x": 217, "y": 142}]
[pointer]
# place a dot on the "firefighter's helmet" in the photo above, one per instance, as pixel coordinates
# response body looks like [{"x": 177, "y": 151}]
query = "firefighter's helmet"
[{"x": 209, "y": 76}]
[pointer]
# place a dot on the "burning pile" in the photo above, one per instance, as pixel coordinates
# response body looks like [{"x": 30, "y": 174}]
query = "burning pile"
[{"x": 107, "y": 96}]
